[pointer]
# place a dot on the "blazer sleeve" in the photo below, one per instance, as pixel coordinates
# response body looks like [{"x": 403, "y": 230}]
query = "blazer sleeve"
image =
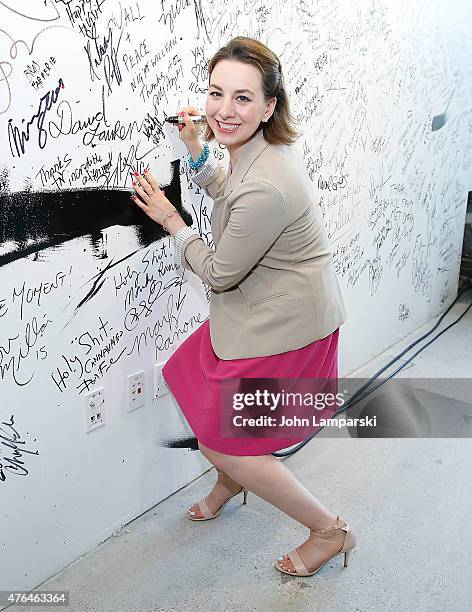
[
  {"x": 258, "y": 216},
  {"x": 212, "y": 177}
]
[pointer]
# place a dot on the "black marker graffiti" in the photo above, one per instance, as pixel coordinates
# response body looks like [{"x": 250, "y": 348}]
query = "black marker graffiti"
[
  {"x": 11, "y": 439},
  {"x": 34, "y": 295},
  {"x": 19, "y": 350},
  {"x": 18, "y": 138},
  {"x": 95, "y": 352},
  {"x": 6, "y": 67},
  {"x": 105, "y": 55}
]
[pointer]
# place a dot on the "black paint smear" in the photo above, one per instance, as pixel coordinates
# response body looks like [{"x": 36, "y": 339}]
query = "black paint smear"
[
  {"x": 190, "y": 443},
  {"x": 41, "y": 220},
  {"x": 4, "y": 182},
  {"x": 94, "y": 290},
  {"x": 97, "y": 279}
]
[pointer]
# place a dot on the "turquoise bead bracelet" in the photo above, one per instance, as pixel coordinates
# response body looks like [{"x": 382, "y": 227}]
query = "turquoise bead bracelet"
[{"x": 201, "y": 159}]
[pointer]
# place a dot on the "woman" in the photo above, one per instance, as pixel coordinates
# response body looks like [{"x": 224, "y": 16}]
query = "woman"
[{"x": 275, "y": 305}]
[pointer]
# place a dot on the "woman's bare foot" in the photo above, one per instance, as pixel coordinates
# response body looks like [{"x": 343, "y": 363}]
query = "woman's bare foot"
[{"x": 225, "y": 487}]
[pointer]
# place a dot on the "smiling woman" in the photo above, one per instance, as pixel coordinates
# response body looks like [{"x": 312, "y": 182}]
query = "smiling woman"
[
  {"x": 235, "y": 113},
  {"x": 260, "y": 71},
  {"x": 275, "y": 303}
]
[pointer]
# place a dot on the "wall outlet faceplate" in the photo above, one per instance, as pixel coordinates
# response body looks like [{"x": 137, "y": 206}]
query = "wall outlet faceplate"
[
  {"x": 94, "y": 409},
  {"x": 136, "y": 391},
  {"x": 160, "y": 385}
]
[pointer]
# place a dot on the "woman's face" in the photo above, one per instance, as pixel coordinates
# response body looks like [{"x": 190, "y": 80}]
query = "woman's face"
[{"x": 235, "y": 98}]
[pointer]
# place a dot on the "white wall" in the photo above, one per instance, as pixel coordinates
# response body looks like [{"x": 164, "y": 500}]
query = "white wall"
[{"x": 365, "y": 80}]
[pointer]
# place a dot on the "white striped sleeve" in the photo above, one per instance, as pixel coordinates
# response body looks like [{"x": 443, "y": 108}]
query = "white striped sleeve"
[
  {"x": 180, "y": 237},
  {"x": 205, "y": 172}
]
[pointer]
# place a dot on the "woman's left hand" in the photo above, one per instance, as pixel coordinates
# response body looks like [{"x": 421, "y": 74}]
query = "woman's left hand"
[{"x": 150, "y": 198}]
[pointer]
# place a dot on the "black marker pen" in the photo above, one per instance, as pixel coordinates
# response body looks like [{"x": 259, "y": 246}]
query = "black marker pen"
[{"x": 176, "y": 119}]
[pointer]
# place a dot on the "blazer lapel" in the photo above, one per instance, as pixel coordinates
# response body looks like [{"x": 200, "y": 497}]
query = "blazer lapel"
[{"x": 247, "y": 155}]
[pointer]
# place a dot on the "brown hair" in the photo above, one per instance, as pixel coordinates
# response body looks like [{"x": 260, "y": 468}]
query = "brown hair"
[{"x": 279, "y": 129}]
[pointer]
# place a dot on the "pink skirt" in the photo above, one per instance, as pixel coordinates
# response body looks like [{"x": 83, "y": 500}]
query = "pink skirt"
[{"x": 196, "y": 376}]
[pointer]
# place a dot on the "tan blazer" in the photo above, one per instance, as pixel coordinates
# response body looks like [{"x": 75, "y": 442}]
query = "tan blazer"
[{"x": 273, "y": 285}]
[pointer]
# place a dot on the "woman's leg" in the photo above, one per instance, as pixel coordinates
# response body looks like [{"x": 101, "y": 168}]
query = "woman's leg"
[
  {"x": 224, "y": 487},
  {"x": 270, "y": 479}
]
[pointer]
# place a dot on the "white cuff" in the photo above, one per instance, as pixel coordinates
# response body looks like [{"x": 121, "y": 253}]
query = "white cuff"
[
  {"x": 206, "y": 171},
  {"x": 180, "y": 237}
]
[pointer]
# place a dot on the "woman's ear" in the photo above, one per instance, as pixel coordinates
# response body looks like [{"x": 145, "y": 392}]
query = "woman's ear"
[{"x": 270, "y": 107}]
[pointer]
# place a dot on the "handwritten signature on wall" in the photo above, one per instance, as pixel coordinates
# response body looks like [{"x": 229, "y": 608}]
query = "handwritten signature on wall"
[{"x": 14, "y": 447}]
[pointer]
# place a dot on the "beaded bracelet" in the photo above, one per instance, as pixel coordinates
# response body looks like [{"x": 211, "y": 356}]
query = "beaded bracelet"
[{"x": 201, "y": 159}]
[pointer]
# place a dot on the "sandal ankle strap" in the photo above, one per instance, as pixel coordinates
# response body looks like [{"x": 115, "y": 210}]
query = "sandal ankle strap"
[{"x": 339, "y": 525}]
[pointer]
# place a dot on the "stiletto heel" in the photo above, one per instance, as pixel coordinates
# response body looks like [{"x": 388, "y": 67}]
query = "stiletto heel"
[
  {"x": 317, "y": 537},
  {"x": 206, "y": 512},
  {"x": 346, "y": 557}
]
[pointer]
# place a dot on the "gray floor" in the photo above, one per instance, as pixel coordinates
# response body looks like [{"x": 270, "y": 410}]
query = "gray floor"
[{"x": 407, "y": 499}]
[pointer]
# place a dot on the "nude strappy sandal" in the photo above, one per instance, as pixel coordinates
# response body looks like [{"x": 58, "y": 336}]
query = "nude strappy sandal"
[
  {"x": 207, "y": 514},
  {"x": 317, "y": 536}
]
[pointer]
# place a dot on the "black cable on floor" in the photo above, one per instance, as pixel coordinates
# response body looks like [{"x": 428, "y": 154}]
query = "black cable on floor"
[{"x": 359, "y": 394}]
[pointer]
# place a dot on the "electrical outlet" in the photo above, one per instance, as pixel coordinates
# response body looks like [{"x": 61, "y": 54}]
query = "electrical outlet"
[
  {"x": 160, "y": 385},
  {"x": 136, "y": 391},
  {"x": 94, "y": 409}
]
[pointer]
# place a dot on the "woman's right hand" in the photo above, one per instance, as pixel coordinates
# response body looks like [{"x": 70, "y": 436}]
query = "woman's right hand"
[{"x": 190, "y": 132}]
